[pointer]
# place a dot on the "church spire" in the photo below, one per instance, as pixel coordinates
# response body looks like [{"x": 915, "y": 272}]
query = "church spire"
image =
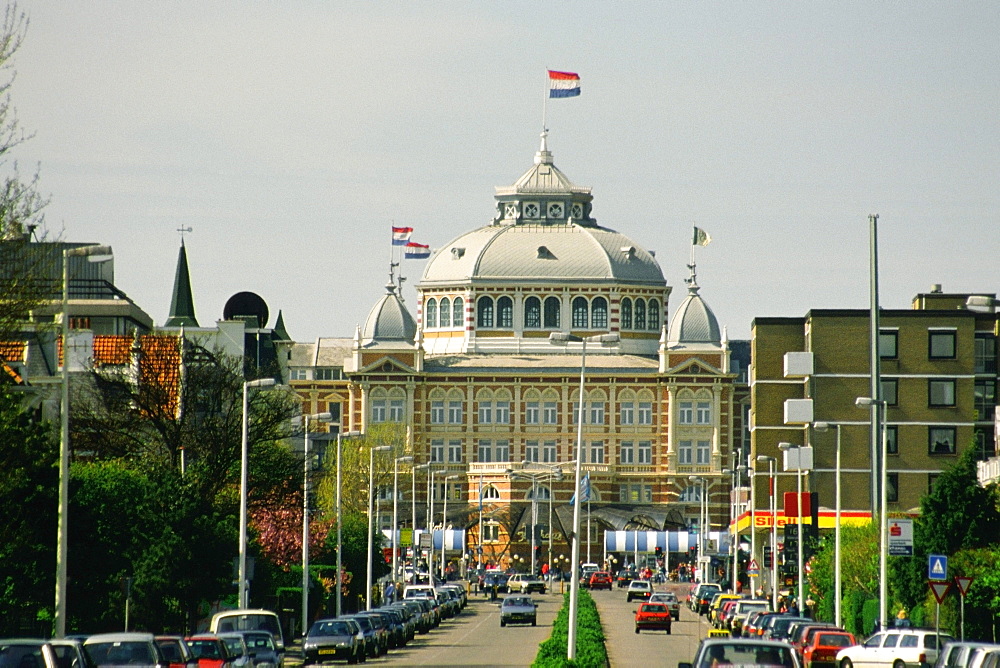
[{"x": 182, "y": 303}]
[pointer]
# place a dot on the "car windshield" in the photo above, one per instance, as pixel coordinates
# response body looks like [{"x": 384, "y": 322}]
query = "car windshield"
[
  {"x": 250, "y": 622},
  {"x": 120, "y": 654},
  {"x": 21, "y": 656},
  {"x": 516, "y": 601},
  {"x": 737, "y": 654},
  {"x": 653, "y": 607},
  {"x": 364, "y": 623},
  {"x": 259, "y": 641},
  {"x": 205, "y": 649}
]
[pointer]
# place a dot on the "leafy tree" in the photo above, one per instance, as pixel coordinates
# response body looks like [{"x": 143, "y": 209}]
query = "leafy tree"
[
  {"x": 859, "y": 576},
  {"x": 354, "y": 537},
  {"x": 355, "y": 460}
]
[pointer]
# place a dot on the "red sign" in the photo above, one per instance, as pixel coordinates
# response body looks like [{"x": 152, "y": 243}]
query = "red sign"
[
  {"x": 792, "y": 504},
  {"x": 939, "y": 589},
  {"x": 963, "y": 583}
]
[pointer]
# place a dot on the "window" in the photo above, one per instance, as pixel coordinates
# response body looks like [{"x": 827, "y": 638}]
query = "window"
[
  {"x": 326, "y": 373},
  {"x": 485, "y": 412},
  {"x": 491, "y": 493},
  {"x": 892, "y": 439},
  {"x": 437, "y": 412},
  {"x": 890, "y": 391},
  {"x": 596, "y": 412},
  {"x": 626, "y": 453},
  {"x": 597, "y": 452},
  {"x": 654, "y": 314},
  {"x": 635, "y": 493},
  {"x": 626, "y": 413},
  {"x": 685, "y": 452},
  {"x": 532, "y": 313},
  {"x": 445, "y": 312},
  {"x": 396, "y": 411},
  {"x": 640, "y": 314},
  {"x": 941, "y": 344},
  {"x": 456, "y": 312},
  {"x": 892, "y": 487},
  {"x": 455, "y": 452},
  {"x": 531, "y": 412},
  {"x": 431, "y": 314},
  {"x": 703, "y": 414},
  {"x": 626, "y": 313},
  {"x": 378, "y": 410},
  {"x": 986, "y": 353},
  {"x": 552, "y": 319},
  {"x": 531, "y": 451},
  {"x": 502, "y": 451},
  {"x": 491, "y": 530},
  {"x": 599, "y": 313},
  {"x": 686, "y": 413},
  {"x": 501, "y": 413},
  {"x": 455, "y": 412},
  {"x": 549, "y": 452},
  {"x": 581, "y": 313},
  {"x": 645, "y": 412},
  {"x": 704, "y": 452},
  {"x": 985, "y": 399},
  {"x": 575, "y": 418},
  {"x": 888, "y": 344},
  {"x": 941, "y": 392},
  {"x": 941, "y": 440},
  {"x": 485, "y": 450},
  {"x": 437, "y": 451},
  {"x": 985, "y": 443},
  {"x": 484, "y": 312},
  {"x": 645, "y": 452},
  {"x": 298, "y": 374},
  {"x": 505, "y": 312},
  {"x": 549, "y": 413}
]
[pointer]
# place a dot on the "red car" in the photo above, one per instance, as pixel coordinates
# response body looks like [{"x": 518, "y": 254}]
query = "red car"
[
  {"x": 822, "y": 651},
  {"x": 653, "y": 617},
  {"x": 209, "y": 651},
  {"x": 176, "y": 651},
  {"x": 600, "y": 580}
]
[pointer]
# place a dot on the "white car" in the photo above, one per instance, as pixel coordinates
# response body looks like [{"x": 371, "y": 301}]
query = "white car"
[
  {"x": 896, "y": 648},
  {"x": 639, "y": 589}
]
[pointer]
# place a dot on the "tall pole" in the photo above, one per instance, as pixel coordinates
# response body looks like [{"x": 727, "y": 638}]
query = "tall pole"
[
  {"x": 63, "y": 521},
  {"x": 395, "y": 514},
  {"x": 413, "y": 510},
  {"x": 752, "y": 471},
  {"x": 444, "y": 523},
  {"x": 371, "y": 521},
  {"x": 244, "y": 476},
  {"x": 874, "y": 363},
  {"x": 534, "y": 518},
  {"x": 884, "y": 527},
  {"x": 837, "y": 584},
  {"x": 319, "y": 417},
  {"x": 774, "y": 532},
  {"x": 574, "y": 582},
  {"x": 479, "y": 557},
  {"x": 340, "y": 542},
  {"x": 802, "y": 537}
]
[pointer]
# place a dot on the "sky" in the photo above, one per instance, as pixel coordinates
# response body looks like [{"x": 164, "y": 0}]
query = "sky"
[{"x": 290, "y": 136}]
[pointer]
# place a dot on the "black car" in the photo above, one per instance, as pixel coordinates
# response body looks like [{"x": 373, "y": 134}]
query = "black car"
[
  {"x": 333, "y": 640},
  {"x": 373, "y": 645}
]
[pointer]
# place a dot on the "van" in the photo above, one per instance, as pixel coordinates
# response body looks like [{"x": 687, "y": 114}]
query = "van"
[{"x": 249, "y": 620}]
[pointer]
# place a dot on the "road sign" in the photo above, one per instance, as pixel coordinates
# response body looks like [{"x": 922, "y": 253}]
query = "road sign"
[
  {"x": 963, "y": 583},
  {"x": 940, "y": 590},
  {"x": 937, "y": 567},
  {"x": 752, "y": 569},
  {"x": 901, "y": 537}
]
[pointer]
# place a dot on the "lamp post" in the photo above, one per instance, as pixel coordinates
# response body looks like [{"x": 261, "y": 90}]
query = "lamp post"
[
  {"x": 444, "y": 521},
  {"x": 878, "y": 410},
  {"x": 395, "y": 514},
  {"x": 734, "y": 510},
  {"x": 371, "y": 519},
  {"x": 244, "y": 475},
  {"x": 562, "y": 338},
  {"x": 549, "y": 475},
  {"x": 773, "y": 505},
  {"x": 752, "y": 472},
  {"x": 340, "y": 520},
  {"x": 794, "y": 456},
  {"x": 93, "y": 254},
  {"x": 837, "y": 582},
  {"x": 306, "y": 419},
  {"x": 702, "y": 521},
  {"x": 413, "y": 510}
]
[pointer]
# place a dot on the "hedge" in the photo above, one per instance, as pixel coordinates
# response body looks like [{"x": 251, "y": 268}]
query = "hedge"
[{"x": 590, "y": 650}]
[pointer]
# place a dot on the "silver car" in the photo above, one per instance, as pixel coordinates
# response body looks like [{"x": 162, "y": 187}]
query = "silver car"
[{"x": 518, "y": 609}]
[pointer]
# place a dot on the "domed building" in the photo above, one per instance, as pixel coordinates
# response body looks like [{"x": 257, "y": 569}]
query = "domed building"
[{"x": 486, "y": 379}]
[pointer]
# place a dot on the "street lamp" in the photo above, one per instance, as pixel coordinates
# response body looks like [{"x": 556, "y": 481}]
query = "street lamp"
[
  {"x": 244, "y": 475},
  {"x": 444, "y": 520},
  {"x": 702, "y": 522},
  {"x": 371, "y": 518},
  {"x": 340, "y": 520},
  {"x": 734, "y": 510},
  {"x": 878, "y": 410},
  {"x": 93, "y": 254},
  {"x": 562, "y": 338},
  {"x": 837, "y": 583},
  {"x": 413, "y": 509},
  {"x": 800, "y": 458},
  {"x": 771, "y": 463},
  {"x": 552, "y": 473},
  {"x": 395, "y": 514},
  {"x": 306, "y": 419}
]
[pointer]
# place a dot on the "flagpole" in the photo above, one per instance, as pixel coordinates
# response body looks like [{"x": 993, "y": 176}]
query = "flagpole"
[{"x": 545, "y": 99}]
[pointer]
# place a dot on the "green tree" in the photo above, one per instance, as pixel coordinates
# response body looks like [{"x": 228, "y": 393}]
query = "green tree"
[
  {"x": 859, "y": 576},
  {"x": 354, "y": 537},
  {"x": 355, "y": 461}
]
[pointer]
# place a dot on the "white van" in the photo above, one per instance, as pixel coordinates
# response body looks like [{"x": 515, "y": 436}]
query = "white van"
[{"x": 249, "y": 620}]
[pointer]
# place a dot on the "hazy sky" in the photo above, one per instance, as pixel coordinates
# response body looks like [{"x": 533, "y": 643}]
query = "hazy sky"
[{"x": 291, "y": 135}]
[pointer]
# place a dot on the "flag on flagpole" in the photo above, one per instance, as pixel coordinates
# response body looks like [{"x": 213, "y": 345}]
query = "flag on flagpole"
[
  {"x": 415, "y": 251},
  {"x": 400, "y": 235},
  {"x": 563, "y": 84},
  {"x": 584, "y": 491},
  {"x": 701, "y": 237}
]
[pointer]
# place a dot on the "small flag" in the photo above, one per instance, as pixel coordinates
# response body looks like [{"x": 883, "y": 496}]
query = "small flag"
[
  {"x": 564, "y": 84},
  {"x": 415, "y": 251},
  {"x": 400, "y": 235},
  {"x": 584, "y": 491},
  {"x": 701, "y": 237}
]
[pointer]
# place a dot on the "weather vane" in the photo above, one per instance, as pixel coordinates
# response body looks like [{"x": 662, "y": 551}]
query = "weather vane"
[{"x": 184, "y": 230}]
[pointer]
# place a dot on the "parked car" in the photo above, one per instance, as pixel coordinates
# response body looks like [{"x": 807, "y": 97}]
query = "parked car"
[
  {"x": 955, "y": 654},
  {"x": 669, "y": 599},
  {"x": 261, "y": 648},
  {"x": 208, "y": 650},
  {"x": 176, "y": 651},
  {"x": 51, "y": 653},
  {"x": 333, "y": 640},
  {"x": 639, "y": 589},
  {"x": 518, "y": 609},
  {"x": 524, "y": 583},
  {"x": 123, "y": 649},
  {"x": 236, "y": 648},
  {"x": 585, "y": 572},
  {"x": 822, "y": 648},
  {"x": 703, "y": 595},
  {"x": 911, "y": 647},
  {"x": 743, "y": 652},
  {"x": 600, "y": 580},
  {"x": 249, "y": 620},
  {"x": 741, "y": 611},
  {"x": 716, "y": 603},
  {"x": 653, "y": 617}
]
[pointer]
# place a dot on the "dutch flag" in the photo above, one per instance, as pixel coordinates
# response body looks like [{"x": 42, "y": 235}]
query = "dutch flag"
[
  {"x": 563, "y": 84},
  {"x": 400, "y": 235}
]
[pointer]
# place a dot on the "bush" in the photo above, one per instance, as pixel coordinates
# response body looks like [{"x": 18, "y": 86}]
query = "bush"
[{"x": 590, "y": 650}]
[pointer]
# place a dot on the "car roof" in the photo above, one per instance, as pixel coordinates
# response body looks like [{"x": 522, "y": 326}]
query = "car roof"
[{"x": 118, "y": 637}]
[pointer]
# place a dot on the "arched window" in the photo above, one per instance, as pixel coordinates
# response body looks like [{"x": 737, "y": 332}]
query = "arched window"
[
  {"x": 640, "y": 314},
  {"x": 491, "y": 493},
  {"x": 505, "y": 312},
  {"x": 457, "y": 318},
  {"x": 552, "y": 319},
  {"x": 484, "y": 312},
  {"x": 626, "y": 313},
  {"x": 431, "y": 313},
  {"x": 445, "y": 312},
  {"x": 543, "y": 493},
  {"x": 654, "y": 314},
  {"x": 532, "y": 313},
  {"x": 599, "y": 313},
  {"x": 580, "y": 313}
]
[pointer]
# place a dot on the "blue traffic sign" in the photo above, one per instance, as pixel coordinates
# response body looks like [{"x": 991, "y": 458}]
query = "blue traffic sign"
[{"x": 937, "y": 567}]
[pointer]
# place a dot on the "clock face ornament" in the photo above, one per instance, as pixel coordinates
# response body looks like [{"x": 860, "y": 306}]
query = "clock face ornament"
[
  {"x": 577, "y": 211},
  {"x": 531, "y": 210},
  {"x": 555, "y": 210}
]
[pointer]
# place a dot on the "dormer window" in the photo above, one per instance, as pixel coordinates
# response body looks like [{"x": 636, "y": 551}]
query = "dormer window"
[
  {"x": 510, "y": 211},
  {"x": 555, "y": 210},
  {"x": 629, "y": 252},
  {"x": 457, "y": 253},
  {"x": 576, "y": 211},
  {"x": 531, "y": 210},
  {"x": 545, "y": 254}
]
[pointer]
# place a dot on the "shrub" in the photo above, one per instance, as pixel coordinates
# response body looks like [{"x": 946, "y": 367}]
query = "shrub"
[{"x": 590, "y": 649}]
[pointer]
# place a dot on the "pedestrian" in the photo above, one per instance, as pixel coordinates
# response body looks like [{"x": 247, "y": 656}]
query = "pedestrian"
[
  {"x": 390, "y": 592},
  {"x": 902, "y": 620}
]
